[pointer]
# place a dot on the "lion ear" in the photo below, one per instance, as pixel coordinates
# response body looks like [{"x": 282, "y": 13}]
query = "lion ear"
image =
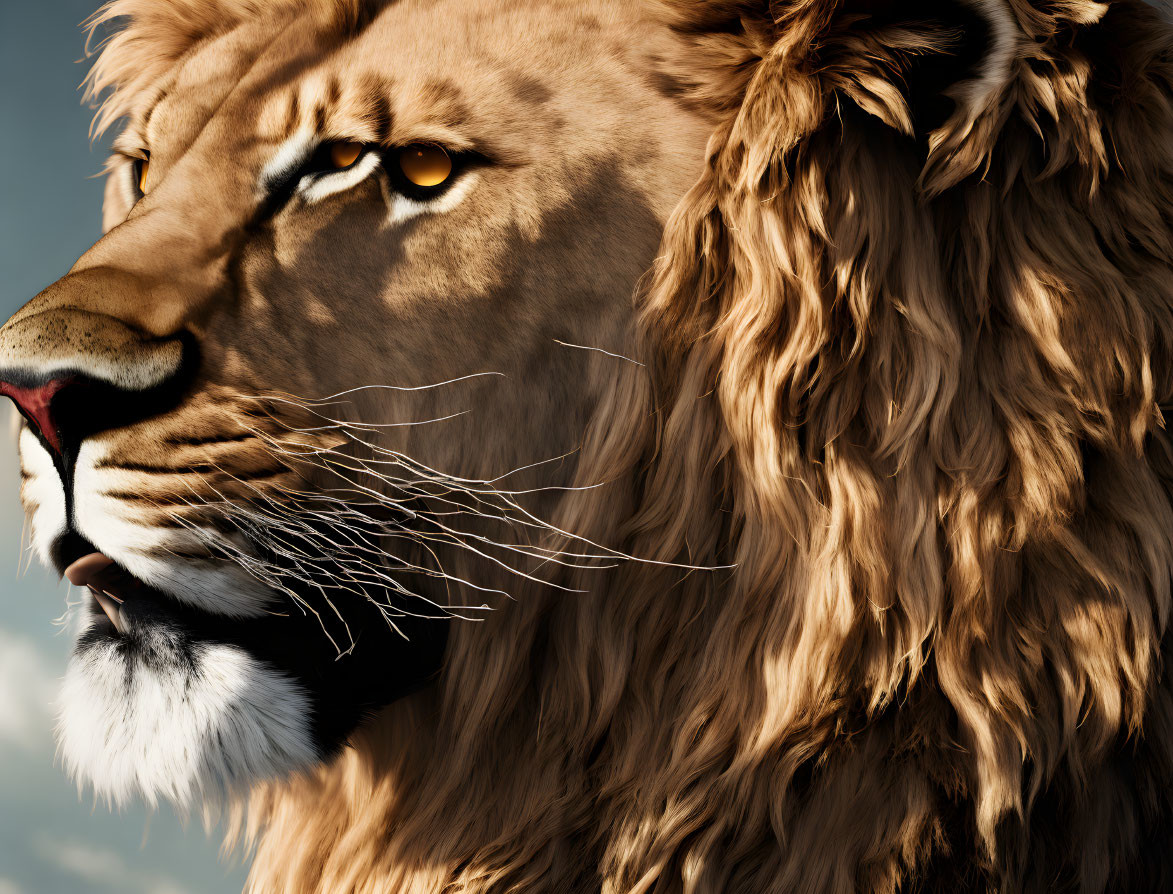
[
  {"x": 949, "y": 60},
  {"x": 931, "y": 69},
  {"x": 925, "y": 49}
]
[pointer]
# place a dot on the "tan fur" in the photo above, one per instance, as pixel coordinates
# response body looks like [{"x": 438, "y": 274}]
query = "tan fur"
[{"x": 903, "y": 387}]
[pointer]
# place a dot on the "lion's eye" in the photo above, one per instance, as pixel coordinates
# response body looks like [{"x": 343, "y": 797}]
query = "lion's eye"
[
  {"x": 424, "y": 164},
  {"x": 141, "y": 167},
  {"x": 343, "y": 155}
]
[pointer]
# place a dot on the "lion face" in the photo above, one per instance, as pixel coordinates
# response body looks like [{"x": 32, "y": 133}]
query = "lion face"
[{"x": 268, "y": 416}]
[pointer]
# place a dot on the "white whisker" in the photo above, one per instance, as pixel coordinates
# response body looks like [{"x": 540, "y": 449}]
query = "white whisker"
[{"x": 567, "y": 344}]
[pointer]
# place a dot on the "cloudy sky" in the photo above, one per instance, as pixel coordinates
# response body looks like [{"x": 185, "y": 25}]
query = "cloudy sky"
[{"x": 53, "y": 839}]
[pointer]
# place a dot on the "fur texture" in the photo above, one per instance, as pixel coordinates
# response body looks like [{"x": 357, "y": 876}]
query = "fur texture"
[
  {"x": 905, "y": 371},
  {"x": 189, "y": 724},
  {"x": 910, "y": 385}
]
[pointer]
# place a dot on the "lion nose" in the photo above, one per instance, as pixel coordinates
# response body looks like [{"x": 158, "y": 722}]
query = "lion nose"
[
  {"x": 74, "y": 373},
  {"x": 35, "y": 402},
  {"x": 65, "y": 409}
]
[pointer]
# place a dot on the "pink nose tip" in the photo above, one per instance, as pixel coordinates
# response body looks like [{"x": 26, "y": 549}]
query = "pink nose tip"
[{"x": 34, "y": 404}]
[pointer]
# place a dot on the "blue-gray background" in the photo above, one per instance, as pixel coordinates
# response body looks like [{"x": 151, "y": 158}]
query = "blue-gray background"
[{"x": 51, "y": 838}]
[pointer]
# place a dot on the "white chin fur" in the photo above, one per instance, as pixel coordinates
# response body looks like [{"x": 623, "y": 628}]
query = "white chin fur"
[{"x": 188, "y": 722}]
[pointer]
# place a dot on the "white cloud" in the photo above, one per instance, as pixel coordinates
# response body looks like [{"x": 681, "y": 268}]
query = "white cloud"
[
  {"x": 99, "y": 867},
  {"x": 27, "y": 689},
  {"x": 7, "y": 886}
]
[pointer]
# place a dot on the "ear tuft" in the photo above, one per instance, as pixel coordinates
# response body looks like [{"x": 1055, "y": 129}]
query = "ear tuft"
[
  {"x": 1030, "y": 43},
  {"x": 992, "y": 73},
  {"x": 846, "y": 41},
  {"x": 942, "y": 71}
]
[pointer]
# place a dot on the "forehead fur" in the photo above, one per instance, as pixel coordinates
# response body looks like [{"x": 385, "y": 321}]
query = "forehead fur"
[{"x": 149, "y": 36}]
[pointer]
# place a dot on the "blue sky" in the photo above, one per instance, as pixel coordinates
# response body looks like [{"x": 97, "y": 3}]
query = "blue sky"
[{"x": 53, "y": 839}]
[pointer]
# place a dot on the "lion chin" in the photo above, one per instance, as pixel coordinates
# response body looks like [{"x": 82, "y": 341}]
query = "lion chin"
[
  {"x": 153, "y": 715},
  {"x": 623, "y": 446}
]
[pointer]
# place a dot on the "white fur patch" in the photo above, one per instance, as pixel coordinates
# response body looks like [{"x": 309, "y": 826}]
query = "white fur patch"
[
  {"x": 402, "y": 208},
  {"x": 320, "y": 186},
  {"x": 42, "y": 492},
  {"x": 285, "y": 162},
  {"x": 191, "y": 725}
]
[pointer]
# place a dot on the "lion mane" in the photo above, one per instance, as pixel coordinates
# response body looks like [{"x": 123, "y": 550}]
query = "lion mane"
[{"x": 907, "y": 348}]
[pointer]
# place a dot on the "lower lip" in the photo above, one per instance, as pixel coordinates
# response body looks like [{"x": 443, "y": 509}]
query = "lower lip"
[
  {"x": 122, "y": 603},
  {"x": 92, "y": 571}
]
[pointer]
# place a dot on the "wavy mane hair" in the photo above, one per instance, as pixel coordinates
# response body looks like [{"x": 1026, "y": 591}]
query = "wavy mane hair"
[{"x": 908, "y": 346}]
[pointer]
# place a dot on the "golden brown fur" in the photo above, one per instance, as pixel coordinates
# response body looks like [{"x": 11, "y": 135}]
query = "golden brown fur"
[{"x": 906, "y": 374}]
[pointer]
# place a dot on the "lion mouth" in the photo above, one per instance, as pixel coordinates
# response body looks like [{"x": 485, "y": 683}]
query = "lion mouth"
[
  {"x": 108, "y": 583},
  {"x": 123, "y": 600}
]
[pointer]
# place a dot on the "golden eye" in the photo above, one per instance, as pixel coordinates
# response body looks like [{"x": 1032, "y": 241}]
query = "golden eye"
[
  {"x": 424, "y": 164},
  {"x": 143, "y": 166},
  {"x": 343, "y": 155}
]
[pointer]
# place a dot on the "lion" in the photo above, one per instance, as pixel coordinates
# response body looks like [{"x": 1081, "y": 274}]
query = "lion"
[{"x": 623, "y": 446}]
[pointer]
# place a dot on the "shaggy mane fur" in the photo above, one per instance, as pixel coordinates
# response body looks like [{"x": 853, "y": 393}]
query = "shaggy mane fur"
[
  {"x": 907, "y": 369},
  {"x": 147, "y": 37}
]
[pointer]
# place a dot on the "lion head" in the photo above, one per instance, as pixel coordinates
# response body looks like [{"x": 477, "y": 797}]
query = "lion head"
[
  {"x": 333, "y": 320},
  {"x": 838, "y": 559}
]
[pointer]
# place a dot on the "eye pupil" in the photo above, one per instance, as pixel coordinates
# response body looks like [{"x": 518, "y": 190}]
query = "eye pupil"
[
  {"x": 343, "y": 155},
  {"x": 425, "y": 165}
]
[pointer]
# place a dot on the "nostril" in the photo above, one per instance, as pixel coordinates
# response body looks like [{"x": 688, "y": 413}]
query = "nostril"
[
  {"x": 35, "y": 402},
  {"x": 97, "y": 377}
]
